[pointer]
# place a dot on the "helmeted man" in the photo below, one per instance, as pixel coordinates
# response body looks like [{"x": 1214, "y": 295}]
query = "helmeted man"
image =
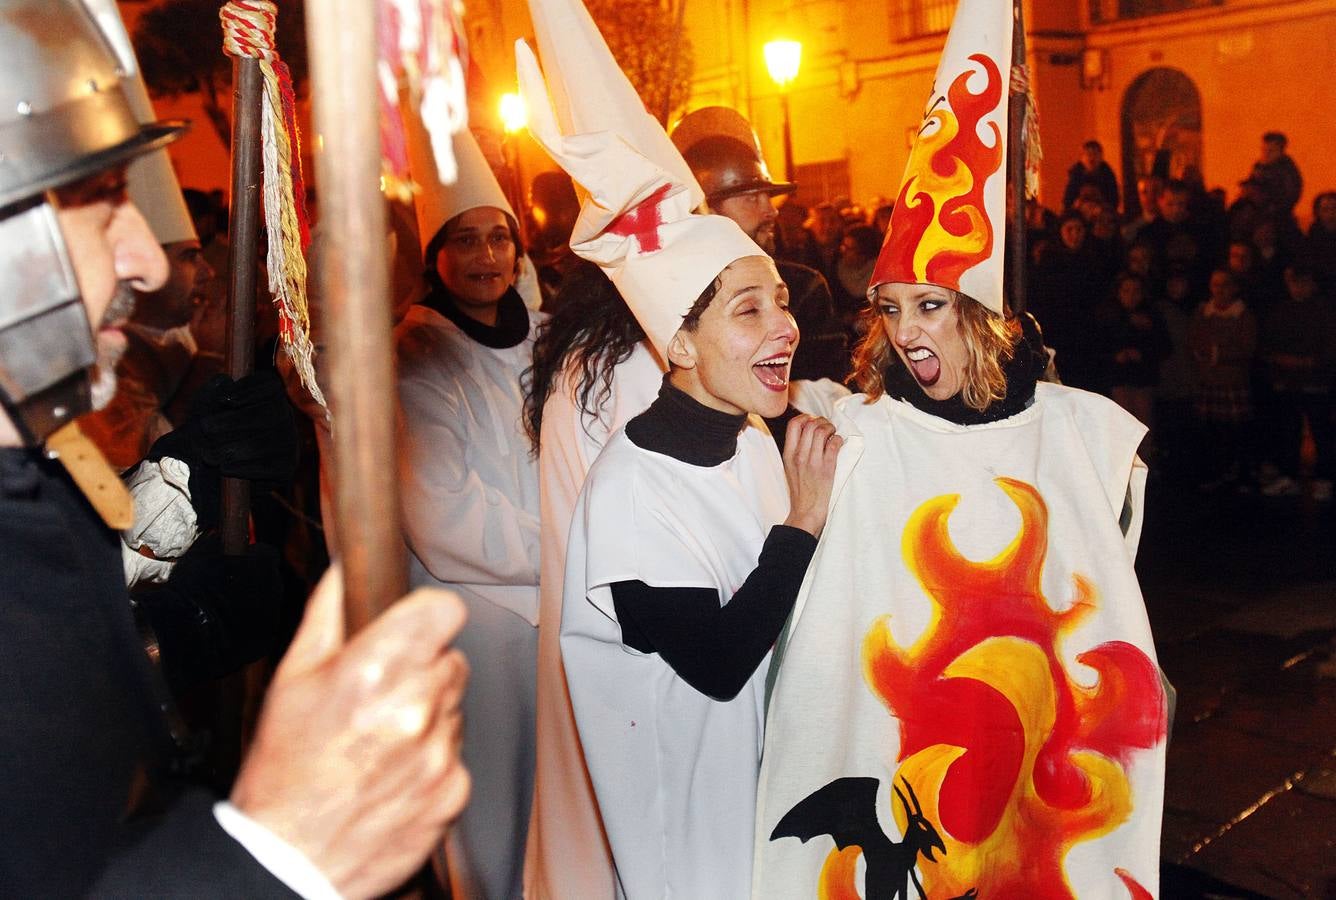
[
  {"x": 79, "y": 710},
  {"x": 721, "y": 149},
  {"x": 160, "y": 347}
]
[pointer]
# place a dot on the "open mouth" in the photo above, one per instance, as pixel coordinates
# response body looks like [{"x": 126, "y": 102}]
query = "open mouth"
[
  {"x": 487, "y": 278},
  {"x": 773, "y": 372},
  {"x": 925, "y": 365}
]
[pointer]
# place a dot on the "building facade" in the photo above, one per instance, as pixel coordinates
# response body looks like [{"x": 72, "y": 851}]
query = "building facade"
[{"x": 1197, "y": 81}]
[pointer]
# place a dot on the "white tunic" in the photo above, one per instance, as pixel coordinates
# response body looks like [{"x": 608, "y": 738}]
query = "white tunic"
[
  {"x": 971, "y": 628},
  {"x": 470, "y": 500},
  {"x": 568, "y": 855},
  {"x": 470, "y": 485},
  {"x": 674, "y": 771}
]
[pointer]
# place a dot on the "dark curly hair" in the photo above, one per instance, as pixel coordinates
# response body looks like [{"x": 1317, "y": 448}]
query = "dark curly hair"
[{"x": 593, "y": 331}]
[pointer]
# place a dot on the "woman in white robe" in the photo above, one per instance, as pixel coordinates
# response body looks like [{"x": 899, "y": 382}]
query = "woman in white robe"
[
  {"x": 470, "y": 504},
  {"x": 679, "y": 577}
]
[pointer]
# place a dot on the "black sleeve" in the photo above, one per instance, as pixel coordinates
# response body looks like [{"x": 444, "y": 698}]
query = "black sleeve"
[
  {"x": 714, "y": 648},
  {"x": 188, "y": 854}
]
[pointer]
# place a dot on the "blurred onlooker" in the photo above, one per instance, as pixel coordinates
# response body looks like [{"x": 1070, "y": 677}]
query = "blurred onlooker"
[
  {"x": 1149, "y": 188},
  {"x": 1276, "y": 175},
  {"x": 1135, "y": 342},
  {"x": 1298, "y": 348},
  {"x": 1176, "y": 433},
  {"x": 1259, "y": 292},
  {"x": 793, "y": 241},
  {"x": 1105, "y": 242},
  {"x": 1177, "y": 238},
  {"x": 827, "y": 228},
  {"x": 853, "y": 272},
  {"x": 554, "y": 208},
  {"x": 1063, "y": 299},
  {"x": 1320, "y": 248},
  {"x": 1223, "y": 339},
  {"x": 1091, "y": 169}
]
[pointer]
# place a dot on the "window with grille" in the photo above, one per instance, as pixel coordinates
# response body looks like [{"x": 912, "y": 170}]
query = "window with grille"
[
  {"x": 1116, "y": 10},
  {"x": 919, "y": 18}
]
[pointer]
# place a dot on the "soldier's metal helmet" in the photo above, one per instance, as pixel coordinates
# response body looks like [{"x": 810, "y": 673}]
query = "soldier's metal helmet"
[
  {"x": 64, "y": 115},
  {"x": 724, "y": 155}
]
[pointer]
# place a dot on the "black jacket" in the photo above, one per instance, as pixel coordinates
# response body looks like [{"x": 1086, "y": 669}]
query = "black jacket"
[{"x": 80, "y": 719}]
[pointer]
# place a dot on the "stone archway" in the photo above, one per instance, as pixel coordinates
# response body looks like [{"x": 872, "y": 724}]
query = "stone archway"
[{"x": 1162, "y": 130}]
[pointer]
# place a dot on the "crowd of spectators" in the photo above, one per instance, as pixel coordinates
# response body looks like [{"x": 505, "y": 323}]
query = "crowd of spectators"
[{"x": 1212, "y": 322}]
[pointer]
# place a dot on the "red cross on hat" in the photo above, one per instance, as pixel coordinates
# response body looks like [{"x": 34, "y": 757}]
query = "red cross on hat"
[{"x": 642, "y": 221}]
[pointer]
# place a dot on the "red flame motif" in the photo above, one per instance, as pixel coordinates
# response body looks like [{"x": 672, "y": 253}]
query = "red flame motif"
[
  {"x": 940, "y": 227},
  {"x": 1014, "y": 759}
]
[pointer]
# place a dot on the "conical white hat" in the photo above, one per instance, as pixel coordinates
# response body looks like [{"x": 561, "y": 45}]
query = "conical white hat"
[
  {"x": 436, "y": 203},
  {"x": 949, "y": 219},
  {"x": 636, "y": 219},
  {"x": 150, "y": 179},
  {"x": 591, "y": 93}
]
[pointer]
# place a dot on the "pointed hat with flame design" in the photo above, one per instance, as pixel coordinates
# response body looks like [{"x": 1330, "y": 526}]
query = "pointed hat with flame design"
[
  {"x": 637, "y": 193},
  {"x": 947, "y": 227}
]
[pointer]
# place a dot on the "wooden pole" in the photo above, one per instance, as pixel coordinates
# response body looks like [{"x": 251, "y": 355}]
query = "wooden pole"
[
  {"x": 354, "y": 290},
  {"x": 244, "y": 220},
  {"x": 1015, "y": 258}
]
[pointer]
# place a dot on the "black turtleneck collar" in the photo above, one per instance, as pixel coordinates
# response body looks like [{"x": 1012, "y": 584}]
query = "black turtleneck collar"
[
  {"x": 1023, "y": 371},
  {"x": 512, "y": 319},
  {"x": 678, "y": 425}
]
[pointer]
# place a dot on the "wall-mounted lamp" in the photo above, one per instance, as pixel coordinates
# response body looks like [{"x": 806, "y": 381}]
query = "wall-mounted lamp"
[{"x": 1094, "y": 68}]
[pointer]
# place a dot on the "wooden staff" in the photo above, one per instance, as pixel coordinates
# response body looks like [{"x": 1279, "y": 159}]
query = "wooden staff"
[
  {"x": 1015, "y": 258},
  {"x": 243, "y": 234},
  {"x": 355, "y": 308}
]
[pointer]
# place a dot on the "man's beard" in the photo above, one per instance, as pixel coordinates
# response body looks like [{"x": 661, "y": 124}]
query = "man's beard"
[
  {"x": 110, "y": 347},
  {"x": 764, "y": 236}
]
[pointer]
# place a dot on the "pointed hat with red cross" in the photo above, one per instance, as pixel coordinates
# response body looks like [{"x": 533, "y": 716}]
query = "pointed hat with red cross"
[
  {"x": 637, "y": 193},
  {"x": 947, "y": 227}
]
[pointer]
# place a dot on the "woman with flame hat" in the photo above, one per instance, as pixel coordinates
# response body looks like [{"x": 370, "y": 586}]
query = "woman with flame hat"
[
  {"x": 968, "y": 700},
  {"x": 685, "y": 548}
]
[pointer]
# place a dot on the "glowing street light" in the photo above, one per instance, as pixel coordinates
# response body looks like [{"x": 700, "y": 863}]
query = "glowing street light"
[
  {"x": 514, "y": 114},
  {"x": 782, "y": 59},
  {"x": 514, "y": 119}
]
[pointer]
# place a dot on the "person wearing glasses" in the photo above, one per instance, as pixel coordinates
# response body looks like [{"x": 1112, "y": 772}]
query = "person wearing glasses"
[{"x": 470, "y": 490}]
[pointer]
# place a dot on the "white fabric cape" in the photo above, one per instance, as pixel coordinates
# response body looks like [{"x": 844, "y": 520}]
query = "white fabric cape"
[
  {"x": 470, "y": 487},
  {"x": 568, "y": 853},
  {"x": 673, "y": 770},
  {"x": 1009, "y": 691}
]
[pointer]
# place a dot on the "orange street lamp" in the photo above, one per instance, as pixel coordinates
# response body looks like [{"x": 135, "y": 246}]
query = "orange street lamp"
[
  {"x": 514, "y": 114},
  {"x": 782, "y": 59},
  {"x": 514, "y": 118}
]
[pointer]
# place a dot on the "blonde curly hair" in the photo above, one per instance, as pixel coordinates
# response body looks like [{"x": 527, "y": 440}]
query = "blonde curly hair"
[{"x": 990, "y": 342}]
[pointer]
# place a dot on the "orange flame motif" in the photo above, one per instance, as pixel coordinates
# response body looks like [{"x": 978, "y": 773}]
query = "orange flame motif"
[
  {"x": 1013, "y": 759},
  {"x": 940, "y": 227}
]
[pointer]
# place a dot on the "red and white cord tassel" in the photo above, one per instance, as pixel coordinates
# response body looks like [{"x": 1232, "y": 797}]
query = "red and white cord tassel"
[{"x": 248, "y": 31}]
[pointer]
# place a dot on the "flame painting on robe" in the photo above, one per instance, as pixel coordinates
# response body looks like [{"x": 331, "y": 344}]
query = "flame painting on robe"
[{"x": 968, "y": 704}]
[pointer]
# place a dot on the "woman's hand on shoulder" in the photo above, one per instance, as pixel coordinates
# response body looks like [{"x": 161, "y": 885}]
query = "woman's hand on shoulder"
[{"x": 810, "y": 449}]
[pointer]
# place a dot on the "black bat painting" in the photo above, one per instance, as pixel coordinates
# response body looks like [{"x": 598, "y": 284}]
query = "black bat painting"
[{"x": 846, "y": 810}]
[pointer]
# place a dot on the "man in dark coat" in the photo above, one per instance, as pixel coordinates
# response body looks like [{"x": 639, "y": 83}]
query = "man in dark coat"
[
  {"x": 721, "y": 149},
  {"x": 1276, "y": 177},
  {"x": 353, "y": 771},
  {"x": 1091, "y": 169}
]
